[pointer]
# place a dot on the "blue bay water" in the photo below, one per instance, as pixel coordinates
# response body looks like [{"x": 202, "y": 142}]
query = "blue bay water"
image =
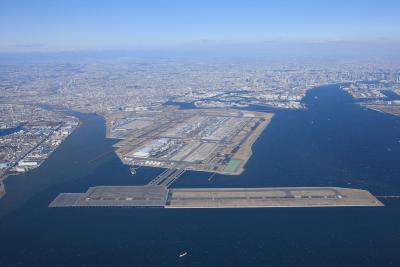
[
  {"x": 8, "y": 131},
  {"x": 333, "y": 143}
]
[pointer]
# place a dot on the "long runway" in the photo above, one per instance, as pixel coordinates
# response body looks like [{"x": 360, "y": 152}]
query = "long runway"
[{"x": 161, "y": 196}]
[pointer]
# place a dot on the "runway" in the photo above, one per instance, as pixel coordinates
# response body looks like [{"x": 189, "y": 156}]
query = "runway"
[{"x": 161, "y": 196}]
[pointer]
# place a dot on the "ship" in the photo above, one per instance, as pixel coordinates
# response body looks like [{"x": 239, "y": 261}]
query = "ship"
[
  {"x": 133, "y": 170},
  {"x": 183, "y": 254}
]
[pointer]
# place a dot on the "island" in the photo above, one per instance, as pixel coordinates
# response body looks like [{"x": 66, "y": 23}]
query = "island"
[{"x": 211, "y": 140}]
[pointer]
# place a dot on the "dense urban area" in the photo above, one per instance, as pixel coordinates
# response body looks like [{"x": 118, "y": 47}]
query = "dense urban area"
[{"x": 36, "y": 100}]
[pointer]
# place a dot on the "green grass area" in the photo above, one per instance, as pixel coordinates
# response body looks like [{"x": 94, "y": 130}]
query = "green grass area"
[{"x": 232, "y": 165}]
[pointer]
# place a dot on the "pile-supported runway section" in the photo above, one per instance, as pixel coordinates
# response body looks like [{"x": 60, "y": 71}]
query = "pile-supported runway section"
[
  {"x": 161, "y": 196},
  {"x": 114, "y": 196},
  {"x": 269, "y": 197}
]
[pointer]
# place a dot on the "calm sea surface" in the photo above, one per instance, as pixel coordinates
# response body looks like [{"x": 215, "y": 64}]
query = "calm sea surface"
[{"x": 333, "y": 143}]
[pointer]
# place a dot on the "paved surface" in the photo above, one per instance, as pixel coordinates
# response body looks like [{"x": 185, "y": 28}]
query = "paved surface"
[
  {"x": 114, "y": 196},
  {"x": 161, "y": 196},
  {"x": 167, "y": 177},
  {"x": 270, "y": 197}
]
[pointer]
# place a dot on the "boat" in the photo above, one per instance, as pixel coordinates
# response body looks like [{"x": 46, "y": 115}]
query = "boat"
[
  {"x": 133, "y": 170},
  {"x": 183, "y": 254}
]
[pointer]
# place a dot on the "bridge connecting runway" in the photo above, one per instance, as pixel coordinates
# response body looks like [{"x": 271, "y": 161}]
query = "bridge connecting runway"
[{"x": 167, "y": 177}]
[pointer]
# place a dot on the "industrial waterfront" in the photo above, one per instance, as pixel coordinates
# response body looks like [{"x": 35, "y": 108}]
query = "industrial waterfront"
[{"x": 332, "y": 143}]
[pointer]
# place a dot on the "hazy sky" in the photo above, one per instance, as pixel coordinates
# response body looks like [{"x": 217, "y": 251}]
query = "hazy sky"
[{"x": 85, "y": 24}]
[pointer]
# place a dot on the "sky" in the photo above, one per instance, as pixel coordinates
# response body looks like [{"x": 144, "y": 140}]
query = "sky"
[{"x": 54, "y": 25}]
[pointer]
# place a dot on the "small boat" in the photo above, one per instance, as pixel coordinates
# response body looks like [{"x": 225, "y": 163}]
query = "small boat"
[
  {"x": 183, "y": 254},
  {"x": 133, "y": 170}
]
